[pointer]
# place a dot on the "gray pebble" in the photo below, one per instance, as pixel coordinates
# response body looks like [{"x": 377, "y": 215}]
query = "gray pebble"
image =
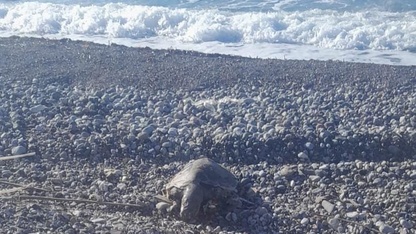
[
  {"x": 386, "y": 229},
  {"x": 304, "y": 221},
  {"x": 406, "y": 223},
  {"x": 143, "y": 136},
  {"x": 334, "y": 223},
  {"x": 18, "y": 150},
  {"x": 314, "y": 178},
  {"x": 37, "y": 108},
  {"x": 261, "y": 211},
  {"x": 309, "y": 145},
  {"x": 231, "y": 216},
  {"x": 287, "y": 171},
  {"x": 303, "y": 156},
  {"x": 162, "y": 207}
]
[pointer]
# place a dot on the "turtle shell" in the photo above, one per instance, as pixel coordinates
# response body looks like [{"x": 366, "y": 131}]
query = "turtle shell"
[{"x": 204, "y": 171}]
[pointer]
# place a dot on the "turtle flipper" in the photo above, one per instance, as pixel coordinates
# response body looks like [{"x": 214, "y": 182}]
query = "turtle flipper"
[{"x": 191, "y": 201}]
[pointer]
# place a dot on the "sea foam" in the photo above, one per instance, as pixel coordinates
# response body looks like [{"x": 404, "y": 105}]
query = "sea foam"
[
  {"x": 232, "y": 27},
  {"x": 321, "y": 28}
]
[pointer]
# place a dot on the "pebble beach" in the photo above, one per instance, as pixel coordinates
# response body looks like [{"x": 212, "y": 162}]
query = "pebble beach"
[{"x": 326, "y": 146}]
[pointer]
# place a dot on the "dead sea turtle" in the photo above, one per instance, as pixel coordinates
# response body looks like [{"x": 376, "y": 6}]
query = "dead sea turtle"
[{"x": 199, "y": 182}]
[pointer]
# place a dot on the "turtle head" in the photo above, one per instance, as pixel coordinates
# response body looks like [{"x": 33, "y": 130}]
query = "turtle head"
[{"x": 192, "y": 198}]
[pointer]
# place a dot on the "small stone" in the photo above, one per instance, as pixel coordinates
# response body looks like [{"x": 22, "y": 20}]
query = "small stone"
[
  {"x": 231, "y": 216},
  {"x": 112, "y": 173},
  {"x": 173, "y": 132},
  {"x": 179, "y": 115},
  {"x": 377, "y": 180},
  {"x": 149, "y": 130},
  {"x": 78, "y": 213},
  {"x": 261, "y": 210},
  {"x": 324, "y": 134},
  {"x": 314, "y": 178},
  {"x": 280, "y": 189},
  {"x": 262, "y": 173},
  {"x": 304, "y": 221},
  {"x": 248, "y": 101},
  {"x": 143, "y": 136},
  {"x": 303, "y": 156},
  {"x": 6, "y": 173},
  {"x": 286, "y": 171},
  {"x": 329, "y": 207},
  {"x": 334, "y": 223},
  {"x": 316, "y": 190},
  {"x": 309, "y": 145},
  {"x": 341, "y": 229},
  {"x": 386, "y": 229},
  {"x": 377, "y": 121},
  {"x": 55, "y": 95},
  {"x": 121, "y": 186},
  {"x": 394, "y": 192},
  {"x": 320, "y": 173},
  {"x": 37, "y": 108},
  {"x": 352, "y": 214},
  {"x": 406, "y": 223},
  {"x": 166, "y": 144},
  {"x": 393, "y": 149},
  {"x": 98, "y": 220},
  {"x": 18, "y": 150},
  {"x": 162, "y": 207}
]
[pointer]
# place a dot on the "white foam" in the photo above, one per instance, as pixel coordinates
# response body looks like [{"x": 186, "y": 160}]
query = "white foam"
[{"x": 281, "y": 34}]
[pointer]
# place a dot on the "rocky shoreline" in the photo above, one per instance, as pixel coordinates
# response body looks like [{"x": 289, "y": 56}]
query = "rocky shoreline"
[{"x": 328, "y": 146}]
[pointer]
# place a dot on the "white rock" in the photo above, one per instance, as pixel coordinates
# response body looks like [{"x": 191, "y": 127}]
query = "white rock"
[
  {"x": 303, "y": 156},
  {"x": 352, "y": 214},
  {"x": 98, "y": 220},
  {"x": 314, "y": 178},
  {"x": 162, "y": 207},
  {"x": 329, "y": 207},
  {"x": 37, "y": 108}
]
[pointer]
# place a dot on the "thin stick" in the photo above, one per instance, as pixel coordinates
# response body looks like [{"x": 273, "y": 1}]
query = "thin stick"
[
  {"x": 23, "y": 186},
  {"x": 44, "y": 198},
  {"x": 246, "y": 201},
  {"x": 17, "y": 156}
]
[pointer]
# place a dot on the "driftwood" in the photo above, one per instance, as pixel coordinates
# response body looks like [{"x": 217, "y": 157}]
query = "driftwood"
[
  {"x": 12, "y": 190},
  {"x": 44, "y": 198},
  {"x": 17, "y": 156},
  {"x": 23, "y": 187}
]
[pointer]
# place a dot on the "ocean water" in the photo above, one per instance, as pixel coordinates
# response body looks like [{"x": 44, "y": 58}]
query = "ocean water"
[{"x": 372, "y": 31}]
